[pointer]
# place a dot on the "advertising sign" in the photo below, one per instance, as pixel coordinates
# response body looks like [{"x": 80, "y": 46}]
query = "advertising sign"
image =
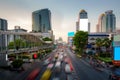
[
  {"x": 116, "y": 40},
  {"x": 117, "y": 53},
  {"x": 71, "y": 34},
  {"x": 116, "y": 37}
]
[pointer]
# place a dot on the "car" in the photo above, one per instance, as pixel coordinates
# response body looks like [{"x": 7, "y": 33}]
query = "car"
[
  {"x": 58, "y": 66},
  {"x": 50, "y": 66},
  {"x": 115, "y": 74},
  {"x": 64, "y": 54},
  {"x": 60, "y": 58},
  {"x": 46, "y": 62},
  {"x": 67, "y": 68},
  {"x": 46, "y": 75},
  {"x": 53, "y": 60}
]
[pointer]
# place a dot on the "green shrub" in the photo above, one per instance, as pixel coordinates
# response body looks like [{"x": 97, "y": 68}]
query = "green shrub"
[{"x": 17, "y": 63}]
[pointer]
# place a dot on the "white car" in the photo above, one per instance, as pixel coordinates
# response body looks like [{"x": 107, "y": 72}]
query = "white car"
[
  {"x": 46, "y": 62},
  {"x": 67, "y": 68},
  {"x": 65, "y": 55},
  {"x": 50, "y": 66},
  {"x": 58, "y": 66}
]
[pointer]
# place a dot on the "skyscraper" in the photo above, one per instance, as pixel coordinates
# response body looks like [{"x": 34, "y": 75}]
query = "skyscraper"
[
  {"x": 3, "y": 37},
  {"x": 97, "y": 28},
  {"x": 102, "y": 23},
  {"x": 3, "y": 24},
  {"x": 110, "y": 21},
  {"x": 83, "y": 20},
  {"x": 107, "y": 22},
  {"x": 41, "y": 20}
]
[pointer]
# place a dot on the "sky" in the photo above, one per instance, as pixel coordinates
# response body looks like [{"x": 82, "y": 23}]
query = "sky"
[{"x": 64, "y": 13}]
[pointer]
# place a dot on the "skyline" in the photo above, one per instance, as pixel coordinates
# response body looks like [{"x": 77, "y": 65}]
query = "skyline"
[{"x": 64, "y": 14}]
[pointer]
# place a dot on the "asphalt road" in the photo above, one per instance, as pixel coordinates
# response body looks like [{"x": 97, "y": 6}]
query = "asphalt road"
[{"x": 84, "y": 70}]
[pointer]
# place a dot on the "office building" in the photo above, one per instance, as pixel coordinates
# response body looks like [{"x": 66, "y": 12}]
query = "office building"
[
  {"x": 3, "y": 43},
  {"x": 83, "y": 20},
  {"x": 41, "y": 21},
  {"x": 110, "y": 21},
  {"x": 12, "y": 37},
  {"x": 97, "y": 28},
  {"x": 107, "y": 22},
  {"x": 3, "y": 37}
]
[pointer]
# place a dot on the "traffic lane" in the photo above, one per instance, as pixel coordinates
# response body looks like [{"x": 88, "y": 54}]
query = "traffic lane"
[
  {"x": 23, "y": 75},
  {"x": 47, "y": 60},
  {"x": 84, "y": 70},
  {"x": 6, "y": 74},
  {"x": 44, "y": 67},
  {"x": 41, "y": 73},
  {"x": 61, "y": 75},
  {"x": 33, "y": 74}
]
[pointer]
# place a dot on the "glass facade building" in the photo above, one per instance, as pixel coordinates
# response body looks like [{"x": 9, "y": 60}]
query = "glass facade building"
[
  {"x": 83, "y": 14},
  {"x": 3, "y": 37},
  {"x": 110, "y": 21},
  {"x": 107, "y": 22},
  {"x": 103, "y": 23},
  {"x": 41, "y": 20}
]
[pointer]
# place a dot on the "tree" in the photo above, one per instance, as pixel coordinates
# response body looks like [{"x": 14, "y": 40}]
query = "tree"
[
  {"x": 106, "y": 42},
  {"x": 103, "y": 43},
  {"x": 99, "y": 42},
  {"x": 46, "y": 39},
  {"x": 80, "y": 40},
  {"x": 18, "y": 43},
  {"x": 11, "y": 45}
]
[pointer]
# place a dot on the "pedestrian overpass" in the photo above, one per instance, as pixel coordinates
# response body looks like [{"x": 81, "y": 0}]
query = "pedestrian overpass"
[{"x": 32, "y": 43}]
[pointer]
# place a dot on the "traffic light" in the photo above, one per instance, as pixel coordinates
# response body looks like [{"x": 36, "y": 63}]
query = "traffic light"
[{"x": 34, "y": 56}]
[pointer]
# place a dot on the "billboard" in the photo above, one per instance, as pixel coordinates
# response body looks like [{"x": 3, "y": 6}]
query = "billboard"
[
  {"x": 84, "y": 24},
  {"x": 117, "y": 53},
  {"x": 71, "y": 34},
  {"x": 116, "y": 37},
  {"x": 116, "y": 40}
]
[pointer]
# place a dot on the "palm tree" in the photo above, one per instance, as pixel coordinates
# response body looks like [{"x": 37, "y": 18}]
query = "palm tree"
[
  {"x": 103, "y": 43},
  {"x": 99, "y": 44},
  {"x": 107, "y": 43}
]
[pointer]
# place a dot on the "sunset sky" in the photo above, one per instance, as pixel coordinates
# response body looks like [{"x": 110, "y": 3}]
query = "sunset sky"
[{"x": 64, "y": 13}]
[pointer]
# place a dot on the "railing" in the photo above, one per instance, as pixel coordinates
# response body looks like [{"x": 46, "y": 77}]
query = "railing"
[{"x": 32, "y": 49}]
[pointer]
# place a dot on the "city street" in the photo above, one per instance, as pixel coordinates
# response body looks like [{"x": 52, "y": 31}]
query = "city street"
[
  {"x": 85, "y": 71},
  {"x": 82, "y": 70}
]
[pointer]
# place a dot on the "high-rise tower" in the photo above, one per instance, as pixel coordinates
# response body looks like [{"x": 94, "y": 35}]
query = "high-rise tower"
[
  {"x": 83, "y": 20},
  {"x": 41, "y": 20},
  {"x": 110, "y": 21},
  {"x": 107, "y": 22},
  {"x": 3, "y": 39}
]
